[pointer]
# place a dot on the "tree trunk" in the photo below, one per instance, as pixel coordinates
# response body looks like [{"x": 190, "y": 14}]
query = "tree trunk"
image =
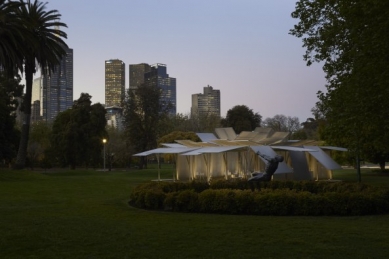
[
  {"x": 141, "y": 164},
  {"x": 382, "y": 165},
  {"x": 358, "y": 165},
  {"x": 22, "y": 151}
]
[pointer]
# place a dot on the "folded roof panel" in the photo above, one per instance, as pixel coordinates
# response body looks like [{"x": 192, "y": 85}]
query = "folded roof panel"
[
  {"x": 166, "y": 150},
  {"x": 190, "y": 143},
  {"x": 206, "y": 137},
  {"x": 226, "y": 133},
  {"x": 323, "y": 158},
  {"x": 172, "y": 145},
  {"x": 334, "y": 148},
  {"x": 209, "y": 150}
]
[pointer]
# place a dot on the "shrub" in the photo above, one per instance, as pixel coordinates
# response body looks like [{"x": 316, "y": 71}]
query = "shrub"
[
  {"x": 154, "y": 199},
  {"x": 187, "y": 201},
  {"x": 272, "y": 198}
]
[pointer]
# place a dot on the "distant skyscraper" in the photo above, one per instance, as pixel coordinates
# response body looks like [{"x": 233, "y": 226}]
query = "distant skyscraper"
[
  {"x": 36, "y": 94},
  {"x": 155, "y": 75},
  {"x": 207, "y": 103},
  {"x": 57, "y": 88},
  {"x": 114, "y": 82},
  {"x": 36, "y": 100},
  {"x": 137, "y": 74},
  {"x": 114, "y": 117}
]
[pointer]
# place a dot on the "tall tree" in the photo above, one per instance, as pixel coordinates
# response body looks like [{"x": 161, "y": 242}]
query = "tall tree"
[
  {"x": 242, "y": 118},
  {"x": 143, "y": 114},
  {"x": 351, "y": 39},
  {"x": 39, "y": 142},
  {"x": 205, "y": 122},
  {"x": 43, "y": 46},
  {"x": 78, "y": 132},
  {"x": 118, "y": 153},
  {"x": 283, "y": 123},
  {"x": 10, "y": 90}
]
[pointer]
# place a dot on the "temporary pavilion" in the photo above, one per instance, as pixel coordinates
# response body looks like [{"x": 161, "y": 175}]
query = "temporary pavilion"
[{"x": 229, "y": 155}]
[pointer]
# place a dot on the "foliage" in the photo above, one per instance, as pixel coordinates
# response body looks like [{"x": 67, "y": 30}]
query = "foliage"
[
  {"x": 241, "y": 118},
  {"x": 143, "y": 114},
  {"x": 178, "y": 135},
  {"x": 205, "y": 122},
  {"x": 39, "y": 141},
  {"x": 41, "y": 45},
  {"x": 282, "y": 123},
  {"x": 117, "y": 150},
  {"x": 78, "y": 132},
  {"x": 10, "y": 89},
  {"x": 11, "y": 37},
  {"x": 350, "y": 39},
  {"x": 188, "y": 122},
  {"x": 310, "y": 130},
  {"x": 284, "y": 198}
]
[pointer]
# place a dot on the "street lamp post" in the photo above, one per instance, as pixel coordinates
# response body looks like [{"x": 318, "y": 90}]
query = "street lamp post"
[{"x": 104, "y": 141}]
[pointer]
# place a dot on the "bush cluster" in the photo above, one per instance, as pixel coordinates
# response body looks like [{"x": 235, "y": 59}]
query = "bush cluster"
[{"x": 280, "y": 198}]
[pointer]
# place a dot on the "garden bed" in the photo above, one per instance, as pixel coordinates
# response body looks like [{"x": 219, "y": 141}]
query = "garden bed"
[{"x": 280, "y": 198}]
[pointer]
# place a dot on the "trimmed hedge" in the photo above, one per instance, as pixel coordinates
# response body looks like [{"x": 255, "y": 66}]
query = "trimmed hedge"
[{"x": 281, "y": 198}]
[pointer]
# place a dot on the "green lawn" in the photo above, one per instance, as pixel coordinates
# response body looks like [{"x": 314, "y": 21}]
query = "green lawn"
[{"x": 84, "y": 214}]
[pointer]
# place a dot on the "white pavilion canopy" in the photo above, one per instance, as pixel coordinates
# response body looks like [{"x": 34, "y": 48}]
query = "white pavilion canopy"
[{"x": 236, "y": 156}]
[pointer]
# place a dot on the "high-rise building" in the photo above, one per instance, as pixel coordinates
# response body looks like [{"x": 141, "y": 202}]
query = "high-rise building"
[
  {"x": 137, "y": 74},
  {"x": 114, "y": 117},
  {"x": 114, "y": 82},
  {"x": 206, "y": 103},
  {"x": 36, "y": 99},
  {"x": 36, "y": 93},
  {"x": 57, "y": 88},
  {"x": 156, "y": 75}
]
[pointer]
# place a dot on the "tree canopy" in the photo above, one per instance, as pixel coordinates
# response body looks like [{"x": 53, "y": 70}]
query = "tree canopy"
[
  {"x": 41, "y": 45},
  {"x": 10, "y": 90},
  {"x": 178, "y": 135},
  {"x": 78, "y": 133},
  {"x": 350, "y": 38},
  {"x": 11, "y": 37},
  {"x": 241, "y": 118},
  {"x": 283, "y": 123},
  {"x": 143, "y": 114}
]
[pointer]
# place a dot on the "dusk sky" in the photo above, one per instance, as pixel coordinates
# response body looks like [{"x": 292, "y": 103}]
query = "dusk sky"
[{"x": 241, "y": 47}]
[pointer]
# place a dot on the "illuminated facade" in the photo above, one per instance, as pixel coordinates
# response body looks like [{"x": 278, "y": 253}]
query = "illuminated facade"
[
  {"x": 36, "y": 93},
  {"x": 206, "y": 103},
  {"x": 114, "y": 82}
]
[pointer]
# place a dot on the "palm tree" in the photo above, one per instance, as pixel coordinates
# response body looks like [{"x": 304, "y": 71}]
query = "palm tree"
[
  {"x": 43, "y": 47},
  {"x": 11, "y": 35}
]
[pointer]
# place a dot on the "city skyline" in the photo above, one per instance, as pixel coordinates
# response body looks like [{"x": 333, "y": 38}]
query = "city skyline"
[{"x": 240, "y": 47}]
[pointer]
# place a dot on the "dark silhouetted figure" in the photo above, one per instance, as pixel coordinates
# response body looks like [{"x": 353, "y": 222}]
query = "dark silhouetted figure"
[{"x": 271, "y": 167}]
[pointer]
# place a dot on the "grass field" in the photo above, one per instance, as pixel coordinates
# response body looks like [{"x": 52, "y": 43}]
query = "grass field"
[{"x": 84, "y": 214}]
